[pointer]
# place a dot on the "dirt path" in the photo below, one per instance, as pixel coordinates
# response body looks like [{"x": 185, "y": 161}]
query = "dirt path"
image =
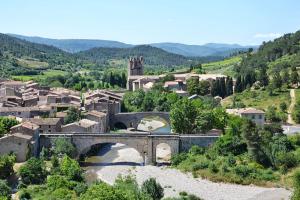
[{"x": 293, "y": 102}]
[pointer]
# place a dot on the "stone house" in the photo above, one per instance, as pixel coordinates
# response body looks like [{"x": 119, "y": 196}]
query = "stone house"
[
  {"x": 47, "y": 125},
  {"x": 101, "y": 118},
  {"x": 257, "y": 116},
  {"x": 83, "y": 126}
]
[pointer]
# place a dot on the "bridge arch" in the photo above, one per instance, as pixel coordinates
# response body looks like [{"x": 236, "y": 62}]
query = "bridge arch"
[
  {"x": 163, "y": 153},
  {"x": 132, "y": 119}
]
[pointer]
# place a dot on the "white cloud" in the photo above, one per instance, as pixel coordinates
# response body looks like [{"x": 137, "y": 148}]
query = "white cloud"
[{"x": 267, "y": 35}]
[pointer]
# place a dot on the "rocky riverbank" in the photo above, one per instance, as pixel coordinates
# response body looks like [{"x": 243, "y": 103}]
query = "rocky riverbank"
[{"x": 120, "y": 160}]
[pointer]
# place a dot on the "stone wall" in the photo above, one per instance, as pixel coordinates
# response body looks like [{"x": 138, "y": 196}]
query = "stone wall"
[
  {"x": 187, "y": 141},
  {"x": 19, "y": 146}
]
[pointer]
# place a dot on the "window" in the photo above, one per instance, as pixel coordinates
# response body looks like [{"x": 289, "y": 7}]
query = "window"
[
  {"x": 260, "y": 116},
  {"x": 253, "y": 116}
]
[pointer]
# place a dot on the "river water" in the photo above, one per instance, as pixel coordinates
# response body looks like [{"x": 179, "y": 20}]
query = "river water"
[{"x": 119, "y": 155}]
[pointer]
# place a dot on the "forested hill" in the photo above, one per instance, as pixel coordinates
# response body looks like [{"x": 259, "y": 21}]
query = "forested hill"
[
  {"x": 283, "y": 52},
  {"x": 22, "y": 57},
  {"x": 274, "y": 64},
  {"x": 153, "y": 55}
]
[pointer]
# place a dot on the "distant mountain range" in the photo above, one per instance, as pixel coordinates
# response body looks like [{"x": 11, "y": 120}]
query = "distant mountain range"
[{"x": 77, "y": 45}]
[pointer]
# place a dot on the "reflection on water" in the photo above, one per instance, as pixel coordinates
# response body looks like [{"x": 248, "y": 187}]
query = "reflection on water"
[{"x": 164, "y": 129}]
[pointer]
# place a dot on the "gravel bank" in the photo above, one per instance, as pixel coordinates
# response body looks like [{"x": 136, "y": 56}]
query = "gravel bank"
[{"x": 175, "y": 181}]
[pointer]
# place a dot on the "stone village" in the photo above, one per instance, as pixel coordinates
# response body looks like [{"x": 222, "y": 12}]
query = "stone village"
[{"x": 41, "y": 112}]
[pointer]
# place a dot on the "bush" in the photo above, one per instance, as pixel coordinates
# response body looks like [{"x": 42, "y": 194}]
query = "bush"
[
  {"x": 296, "y": 184},
  {"x": 24, "y": 195},
  {"x": 178, "y": 158},
  {"x": 6, "y": 165},
  {"x": 242, "y": 170},
  {"x": 64, "y": 147},
  {"x": 203, "y": 164},
  {"x": 56, "y": 181},
  {"x": 71, "y": 169},
  {"x": 5, "y": 190},
  {"x": 288, "y": 160},
  {"x": 196, "y": 150},
  {"x": 102, "y": 191},
  {"x": 33, "y": 171},
  {"x": 152, "y": 188},
  {"x": 213, "y": 168}
]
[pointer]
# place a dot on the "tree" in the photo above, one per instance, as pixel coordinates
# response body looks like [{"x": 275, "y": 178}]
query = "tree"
[
  {"x": 285, "y": 76},
  {"x": 283, "y": 106},
  {"x": 33, "y": 171},
  {"x": 193, "y": 85},
  {"x": 153, "y": 188},
  {"x": 6, "y": 165},
  {"x": 70, "y": 168},
  {"x": 64, "y": 147},
  {"x": 251, "y": 136},
  {"x": 229, "y": 86},
  {"x": 73, "y": 115},
  {"x": 263, "y": 77},
  {"x": 130, "y": 188},
  {"x": 294, "y": 76},
  {"x": 183, "y": 116},
  {"x": 204, "y": 87},
  {"x": 148, "y": 103},
  {"x": 238, "y": 85},
  {"x": 276, "y": 80},
  {"x": 5, "y": 190},
  {"x": 5, "y": 124}
]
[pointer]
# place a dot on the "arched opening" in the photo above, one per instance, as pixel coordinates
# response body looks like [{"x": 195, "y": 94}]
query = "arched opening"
[
  {"x": 106, "y": 156},
  {"x": 120, "y": 125},
  {"x": 154, "y": 124},
  {"x": 163, "y": 153}
]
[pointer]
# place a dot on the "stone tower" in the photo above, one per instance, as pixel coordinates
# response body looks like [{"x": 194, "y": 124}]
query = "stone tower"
[{"x": 136, "y": 66}]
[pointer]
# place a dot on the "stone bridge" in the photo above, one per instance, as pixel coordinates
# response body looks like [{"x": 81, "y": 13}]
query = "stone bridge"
[
  {"x": 132, "y": 119},
  {"x": 144, "y": 143}
]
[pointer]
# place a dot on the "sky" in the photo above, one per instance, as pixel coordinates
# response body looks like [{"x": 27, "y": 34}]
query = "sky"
[{"x": 245, "y": 22}]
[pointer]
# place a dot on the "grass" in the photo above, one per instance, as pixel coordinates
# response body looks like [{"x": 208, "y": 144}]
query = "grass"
[
  {"x": 31, "y": 63},
  {"x": 48, "y": 73},
  {"x": 259, "y": 98},
  {"x": 222, "y": 67}
]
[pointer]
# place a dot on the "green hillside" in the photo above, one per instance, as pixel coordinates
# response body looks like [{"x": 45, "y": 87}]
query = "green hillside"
[
  {"x": 225, "y": 66},
  {"x": 19, "y": 57}
]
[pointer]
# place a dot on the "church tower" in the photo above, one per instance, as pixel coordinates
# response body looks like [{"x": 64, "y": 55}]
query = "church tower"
[{"x": 136, "y": 66}]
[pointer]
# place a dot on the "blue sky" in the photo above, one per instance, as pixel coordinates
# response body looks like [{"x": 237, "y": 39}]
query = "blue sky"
[{"x": 148, "y": 21}]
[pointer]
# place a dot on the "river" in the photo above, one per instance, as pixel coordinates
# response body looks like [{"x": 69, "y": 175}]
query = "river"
[{"x": 122, "y": 155}]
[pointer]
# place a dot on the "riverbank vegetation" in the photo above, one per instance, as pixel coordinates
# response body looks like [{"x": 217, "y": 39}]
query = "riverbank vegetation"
[
  {"x": 55, "y": 175},
  {"x": 245, "y": 154}
]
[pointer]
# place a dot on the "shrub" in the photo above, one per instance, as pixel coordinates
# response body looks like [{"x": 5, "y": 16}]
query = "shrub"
[
  {"x": 213, "y": 168},
  {"x": 178, "y": 158},
  {"x": 242, "y": 170},
  {"x": 6, "y": 165},
  {"x": 33, "y": 171},
  {"x": 203, "y": 164},
  {"x": 196, "y": 150},
  {"x": 152, "y": 188},
  {"x": 296, "y": 184},
  {"x": 288, "y": 160},
  {"x": 70, "y": 168},
  {"x": 24, "y": 195},
  {"x": 56, "y": 181},
  {"x": 5, "y": 190},
  {"x": 64, "y": 147}
]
